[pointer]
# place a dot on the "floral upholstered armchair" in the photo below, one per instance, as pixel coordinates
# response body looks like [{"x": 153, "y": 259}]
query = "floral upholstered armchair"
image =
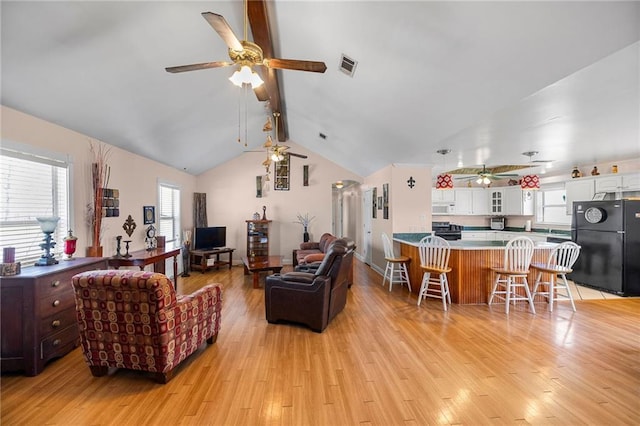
[{"x": 134, "y": 320}]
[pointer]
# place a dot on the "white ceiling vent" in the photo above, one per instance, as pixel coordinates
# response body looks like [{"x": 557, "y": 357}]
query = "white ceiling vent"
[{"x": 348, "y": 65}]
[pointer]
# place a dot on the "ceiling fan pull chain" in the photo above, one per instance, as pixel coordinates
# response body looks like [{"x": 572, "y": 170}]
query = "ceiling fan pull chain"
[
  {"x": 246, "y": 124},
  {"x": 239, "y": 102}
]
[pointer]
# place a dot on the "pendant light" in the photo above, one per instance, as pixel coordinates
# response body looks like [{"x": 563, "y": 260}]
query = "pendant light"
[
  {"x": 530, "y": 181},
  {"x": 444, "y": 180}
]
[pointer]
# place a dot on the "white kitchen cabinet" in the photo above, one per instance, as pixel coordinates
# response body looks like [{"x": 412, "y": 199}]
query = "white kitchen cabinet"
[
  {"x": 496, "y": 201},
  {"x": 631, "y": 182},
  {"x": 608, "y": 183},
  {"x": 475, "y": 235},
  {"x": 442, "y": 195},
  {"x": 579, "y": 189},
  {"x": 518, "y": 201},
  {"x": 480, "y": 201},
  {"x": 472, "y": 201},
  {"x": 464, "y": 201}
]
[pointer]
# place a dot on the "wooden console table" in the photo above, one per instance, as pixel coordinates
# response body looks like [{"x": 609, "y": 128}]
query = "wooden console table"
[
  {"x": 205, "y": 255},
  {"x": 142, "y": 258}
]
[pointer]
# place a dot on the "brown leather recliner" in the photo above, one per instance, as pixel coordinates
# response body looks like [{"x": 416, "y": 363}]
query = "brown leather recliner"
[{"x": 313, "y": 299}]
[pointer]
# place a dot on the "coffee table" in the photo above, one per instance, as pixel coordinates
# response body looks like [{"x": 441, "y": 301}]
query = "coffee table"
[{"x": 257, "y": 264}]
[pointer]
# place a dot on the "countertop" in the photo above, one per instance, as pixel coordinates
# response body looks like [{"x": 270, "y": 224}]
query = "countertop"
[{"x": 475, "y": 245}]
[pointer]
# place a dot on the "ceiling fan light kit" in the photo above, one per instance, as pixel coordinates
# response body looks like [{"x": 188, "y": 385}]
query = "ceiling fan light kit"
[{"x": 246, "y": 76}]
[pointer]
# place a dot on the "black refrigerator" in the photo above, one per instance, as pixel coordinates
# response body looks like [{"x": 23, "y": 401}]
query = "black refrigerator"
[{"x": 609, "y": 235}]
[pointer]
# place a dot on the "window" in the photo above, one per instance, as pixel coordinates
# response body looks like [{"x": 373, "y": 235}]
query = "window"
[
  {"x": 32, "y": 186},
  {"x": 169, "y": 217},
  {"x": 551, "y": 206}
]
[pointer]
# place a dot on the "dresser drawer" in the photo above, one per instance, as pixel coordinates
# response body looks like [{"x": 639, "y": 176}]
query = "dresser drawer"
[
  {"x": 60, "y": 343},
  {"x": 55, "y": 323},
  {"x": 53, "y": 284},
  {"x": 56, "y": 303},
  {"x": 61, "y": 281}
]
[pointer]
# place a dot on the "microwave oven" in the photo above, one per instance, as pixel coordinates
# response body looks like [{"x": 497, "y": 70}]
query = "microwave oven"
[
  {"x": 443, "y": 209},
  {"x": 497, "y": 223}
]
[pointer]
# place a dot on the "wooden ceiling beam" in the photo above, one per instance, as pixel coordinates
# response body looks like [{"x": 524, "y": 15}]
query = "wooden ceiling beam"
[{"x": 259, "y": 22}]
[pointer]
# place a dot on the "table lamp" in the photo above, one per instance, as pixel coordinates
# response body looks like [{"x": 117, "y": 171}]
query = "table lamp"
[{"x": 48, "y": 226}]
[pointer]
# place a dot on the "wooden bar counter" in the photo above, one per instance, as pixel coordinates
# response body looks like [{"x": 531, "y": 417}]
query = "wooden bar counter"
[{"x": 470, "y": 279}]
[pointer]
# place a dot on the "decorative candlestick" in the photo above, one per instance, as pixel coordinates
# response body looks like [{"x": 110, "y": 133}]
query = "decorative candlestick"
[
  {"x": 126, "y": 247},
  {"x": 118, "y": 245}
]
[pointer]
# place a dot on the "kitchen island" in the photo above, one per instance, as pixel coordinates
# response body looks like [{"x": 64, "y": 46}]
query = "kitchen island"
[{"x": 471, "y": 278}]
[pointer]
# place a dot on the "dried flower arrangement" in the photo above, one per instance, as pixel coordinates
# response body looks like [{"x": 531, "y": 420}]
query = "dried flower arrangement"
[
  {"x": 100, "y": 174},
  {"x": 304, "y": 220}
]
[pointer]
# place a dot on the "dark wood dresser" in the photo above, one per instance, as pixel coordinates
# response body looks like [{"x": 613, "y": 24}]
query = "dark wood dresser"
[{"x": 38, "y": 314}]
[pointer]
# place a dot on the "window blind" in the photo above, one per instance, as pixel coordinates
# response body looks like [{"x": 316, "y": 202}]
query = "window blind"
[
  {"x": 169, "y": 217},
  {"x": 32, "y": 186}
]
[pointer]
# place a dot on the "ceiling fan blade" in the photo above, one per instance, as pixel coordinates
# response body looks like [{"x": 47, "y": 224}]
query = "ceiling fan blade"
[
  {"x": 507, "y": 168},
  {"x": 297, "y": 155},
  {"x": 466, "y": 171},
  {"x": 261, "y": 93},
  {"x": 223, "y": 29},
  {"x": 195, "y": 67},
  {"x": 294, "y": 64}
]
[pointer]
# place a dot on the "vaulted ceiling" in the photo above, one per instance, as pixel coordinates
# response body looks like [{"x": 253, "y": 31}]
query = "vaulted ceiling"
[{"x": 488, "y": 80}]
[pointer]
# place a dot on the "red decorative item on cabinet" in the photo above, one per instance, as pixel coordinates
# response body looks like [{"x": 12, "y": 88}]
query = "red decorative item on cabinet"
[{"x": 69, "y": 245}]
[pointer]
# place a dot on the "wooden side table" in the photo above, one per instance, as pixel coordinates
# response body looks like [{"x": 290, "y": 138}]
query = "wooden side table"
[{"x": 199, "y": 258}]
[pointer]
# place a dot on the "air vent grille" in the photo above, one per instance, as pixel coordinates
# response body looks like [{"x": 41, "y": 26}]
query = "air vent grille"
[{"x": 348, "y": 65}]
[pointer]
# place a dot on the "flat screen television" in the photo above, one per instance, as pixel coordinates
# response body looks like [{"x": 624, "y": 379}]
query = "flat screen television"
[{"x": 210, "y": 238}]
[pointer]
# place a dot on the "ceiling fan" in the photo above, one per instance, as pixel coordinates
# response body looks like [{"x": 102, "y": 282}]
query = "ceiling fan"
[
  {"x": 246, "y": 54},
  {"x": 486, "y": 175},
  {"x": 275, "y": 153}
]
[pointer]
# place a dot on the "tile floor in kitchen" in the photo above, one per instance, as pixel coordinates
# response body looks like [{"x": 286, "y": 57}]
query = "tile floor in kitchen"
[{"x": 585, "y": 293}]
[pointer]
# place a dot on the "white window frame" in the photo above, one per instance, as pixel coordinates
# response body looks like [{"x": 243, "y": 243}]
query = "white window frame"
[
  {"x": 540, "y": 205},
  {"x": 28, "y": 252},
  {"x": 175, "y": 212}
]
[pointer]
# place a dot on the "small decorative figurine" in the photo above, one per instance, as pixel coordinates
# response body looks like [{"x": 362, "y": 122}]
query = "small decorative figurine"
[
  {"x": 264, "y": 212},
  {"x": 576, "y": 173},
  {"x": 594, "y": 171}
]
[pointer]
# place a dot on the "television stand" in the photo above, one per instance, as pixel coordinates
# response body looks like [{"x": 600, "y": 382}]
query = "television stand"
[{"x": 199, "y": 258}]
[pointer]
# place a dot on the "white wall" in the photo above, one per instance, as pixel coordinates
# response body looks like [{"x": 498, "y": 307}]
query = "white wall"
[
  {"x": 231, "y": 199},
  {"x": 136, "y": 177}
]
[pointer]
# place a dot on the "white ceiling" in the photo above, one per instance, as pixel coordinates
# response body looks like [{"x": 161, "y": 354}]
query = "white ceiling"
[{"x": 488, "y": 80}]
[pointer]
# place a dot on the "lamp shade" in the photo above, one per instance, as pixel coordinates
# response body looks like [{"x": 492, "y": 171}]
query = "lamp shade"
[
  {"x": 48, "y": 224},
  {"x": 530, "y": 182},
  {"x": 444, "y": 181}
]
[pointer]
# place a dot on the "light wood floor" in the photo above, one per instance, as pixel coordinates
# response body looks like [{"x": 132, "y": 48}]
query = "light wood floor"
[{"x": 382, "y": 361}]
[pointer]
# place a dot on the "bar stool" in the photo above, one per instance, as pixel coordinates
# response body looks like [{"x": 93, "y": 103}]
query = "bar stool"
[
  {"x": 559, "y": 264},
  {"x": 396, "y": 269},
  {"x": 434, "y": 261},
  {"x": 517, "y": 257}
]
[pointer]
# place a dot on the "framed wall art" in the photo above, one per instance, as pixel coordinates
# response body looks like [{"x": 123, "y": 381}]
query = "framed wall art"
[
  {"x": 149, "y": 214},
  {"x": 374, "y": 199},
  {"x": 281, "y": 174},
  {"x": 385, "y": 201}
]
